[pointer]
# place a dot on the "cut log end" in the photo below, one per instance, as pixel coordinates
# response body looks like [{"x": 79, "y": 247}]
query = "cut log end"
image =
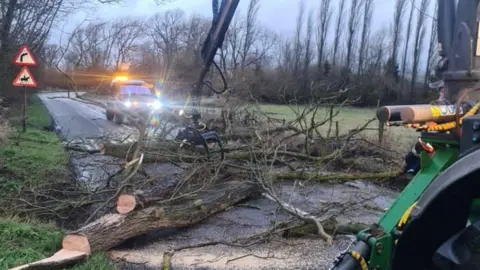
[
  {"x": 126, "y": 203},
  {"x": 102, "y": 148},
  {"x": 76, "y": 242},
  {"x": 61, "y": 258}
]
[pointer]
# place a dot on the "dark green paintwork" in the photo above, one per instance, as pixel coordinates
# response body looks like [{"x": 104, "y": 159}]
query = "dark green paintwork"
[{"x": 446, "y": 153}]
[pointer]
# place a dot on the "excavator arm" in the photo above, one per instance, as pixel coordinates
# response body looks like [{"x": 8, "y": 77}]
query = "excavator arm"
[
  {"x": 197, "y": 133},
  {"x": 222, "y": 17},
  {"x": 435, "y": 221}
]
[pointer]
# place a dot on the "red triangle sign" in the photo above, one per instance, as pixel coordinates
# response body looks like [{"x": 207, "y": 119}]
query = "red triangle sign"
[
  {"x": 24, "y": 57},
  {"x": 25, "y": 78}
]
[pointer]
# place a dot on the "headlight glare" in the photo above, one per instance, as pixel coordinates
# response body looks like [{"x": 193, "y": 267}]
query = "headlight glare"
[{"x": 156, "y": 105}]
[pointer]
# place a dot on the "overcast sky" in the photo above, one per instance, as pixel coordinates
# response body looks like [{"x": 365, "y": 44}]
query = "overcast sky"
[{"x": 276, "y": 14}]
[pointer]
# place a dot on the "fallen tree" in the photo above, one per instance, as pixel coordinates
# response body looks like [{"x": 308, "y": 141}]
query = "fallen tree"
[
  {"x": 154, "y": 151},
  {"x": 208, "y": 188},
  {"x": 195, "y": 201}
]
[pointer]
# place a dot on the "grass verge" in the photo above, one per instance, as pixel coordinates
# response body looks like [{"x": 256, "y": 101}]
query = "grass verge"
[{"x": 28, "y": 161}]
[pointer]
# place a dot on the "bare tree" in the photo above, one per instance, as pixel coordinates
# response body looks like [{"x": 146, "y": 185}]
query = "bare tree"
[
  {"x": 419, "y": 38},
  {"x": 338, "y": 30},
  {"x": 308, "y": 58},
  {"x": 166, "y": 33},
  {"x": 377, "y": 52},
  {"x": 250, "y": 31},
  {"x": 407, "y": 43},
  {"x": 397, "y": 28},
  {"x": 352, "y": 31},
  {"x": 431, "y": 48},
  {"x": 298, "y": 44},
  {"x": 367, "y": 23},
  {"x": 324, "y": 17},
  {"x": 127, "y": 32}
]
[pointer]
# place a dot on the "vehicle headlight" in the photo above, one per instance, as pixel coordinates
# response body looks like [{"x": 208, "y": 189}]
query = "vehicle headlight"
[
  {"x": 156, "y": 105},
  {"x": 128, "y": 104}
]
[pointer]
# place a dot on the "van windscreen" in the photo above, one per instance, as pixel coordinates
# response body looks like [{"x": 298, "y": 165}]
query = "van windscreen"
[{"x": 135, "y": 90}]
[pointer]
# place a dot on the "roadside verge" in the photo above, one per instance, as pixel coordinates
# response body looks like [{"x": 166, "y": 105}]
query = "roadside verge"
[{"x": 33, "y": 174}]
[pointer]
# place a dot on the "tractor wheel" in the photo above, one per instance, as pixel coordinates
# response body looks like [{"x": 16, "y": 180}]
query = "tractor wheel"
[
  {"x": 109, "y": 115},
  {"x": 119, "y": 119}
]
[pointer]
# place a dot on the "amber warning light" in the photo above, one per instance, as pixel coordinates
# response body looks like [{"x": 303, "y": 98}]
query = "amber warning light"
[{"x": 120, "y": 78}]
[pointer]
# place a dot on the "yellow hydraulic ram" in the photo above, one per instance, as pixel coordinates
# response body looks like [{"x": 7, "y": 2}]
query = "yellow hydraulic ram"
[{"x": 413, "y": 114}]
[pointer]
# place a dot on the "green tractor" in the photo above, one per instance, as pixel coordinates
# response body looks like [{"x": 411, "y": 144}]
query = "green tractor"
[{"x": 435, "y": 222}]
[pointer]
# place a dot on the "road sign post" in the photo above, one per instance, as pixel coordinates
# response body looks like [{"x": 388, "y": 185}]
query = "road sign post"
[{"x": 24, "y": 78}]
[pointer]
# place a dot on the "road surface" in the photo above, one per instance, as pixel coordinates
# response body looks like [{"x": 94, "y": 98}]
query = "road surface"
[{"x": 77, "y": 120}]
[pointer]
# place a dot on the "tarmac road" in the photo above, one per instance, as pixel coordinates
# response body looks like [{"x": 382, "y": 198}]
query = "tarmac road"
[
  {"x": 75, "y": 119},
  {"x": 79, "y": 120}
]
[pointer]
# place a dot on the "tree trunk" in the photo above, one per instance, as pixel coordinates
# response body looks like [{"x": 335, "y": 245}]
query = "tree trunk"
[
  {"x": 331, "y": 226},
  {"x": 342, "y": 177},
  {"x": 154, "y": 151},
  {"x": 113, "y": 229}
]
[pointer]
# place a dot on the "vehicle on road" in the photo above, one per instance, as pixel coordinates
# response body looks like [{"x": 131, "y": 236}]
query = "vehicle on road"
[{"x": 133, "y": 96}]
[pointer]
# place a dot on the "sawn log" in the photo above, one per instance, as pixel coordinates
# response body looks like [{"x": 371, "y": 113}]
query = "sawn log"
[{"x": 113, "y": 229}]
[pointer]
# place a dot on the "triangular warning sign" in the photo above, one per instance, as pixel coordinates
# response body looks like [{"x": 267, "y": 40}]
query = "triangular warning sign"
[
  {"x": 25, "y": 57},
  {"x": 25, "y": 78}
]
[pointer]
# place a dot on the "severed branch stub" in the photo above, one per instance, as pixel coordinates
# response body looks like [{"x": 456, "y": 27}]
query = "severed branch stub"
[{"x": 126, "y": 203}]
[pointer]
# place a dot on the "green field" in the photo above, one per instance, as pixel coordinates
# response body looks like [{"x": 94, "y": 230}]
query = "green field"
[{"x": 348, "y": 118}]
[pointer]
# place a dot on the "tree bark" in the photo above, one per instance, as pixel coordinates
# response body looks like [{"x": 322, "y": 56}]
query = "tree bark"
[
  {"x": 331, "y": 226},
  {"x": 342, "y": 177},
  {"x": 113, "y": 229}
]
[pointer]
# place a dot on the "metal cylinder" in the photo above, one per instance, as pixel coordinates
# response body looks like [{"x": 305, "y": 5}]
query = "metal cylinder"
[
  {"x": 347, "y": 262},
  {"x": 391, "y": 113},
  {"x": 429, "y": 113}
]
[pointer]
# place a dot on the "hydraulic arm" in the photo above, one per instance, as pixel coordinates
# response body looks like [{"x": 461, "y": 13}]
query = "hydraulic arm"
[
  {"x": 197, "y": 133},
  {"x": 425, "y": 227}
]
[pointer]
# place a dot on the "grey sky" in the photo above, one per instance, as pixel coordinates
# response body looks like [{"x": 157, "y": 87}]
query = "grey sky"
[{"x": 276, "y": 14}]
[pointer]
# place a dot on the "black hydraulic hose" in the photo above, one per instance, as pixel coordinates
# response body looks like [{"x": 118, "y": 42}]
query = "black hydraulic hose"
[{"x": 348, "y": 262}]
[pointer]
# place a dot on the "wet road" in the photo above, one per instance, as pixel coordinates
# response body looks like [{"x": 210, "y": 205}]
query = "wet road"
[
  {"x": 77, "y": 120},
  {"x": 79, "y": 123}
]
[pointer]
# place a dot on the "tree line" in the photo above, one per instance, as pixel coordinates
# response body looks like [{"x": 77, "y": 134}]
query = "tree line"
[{"x": 260, "y": 63}]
